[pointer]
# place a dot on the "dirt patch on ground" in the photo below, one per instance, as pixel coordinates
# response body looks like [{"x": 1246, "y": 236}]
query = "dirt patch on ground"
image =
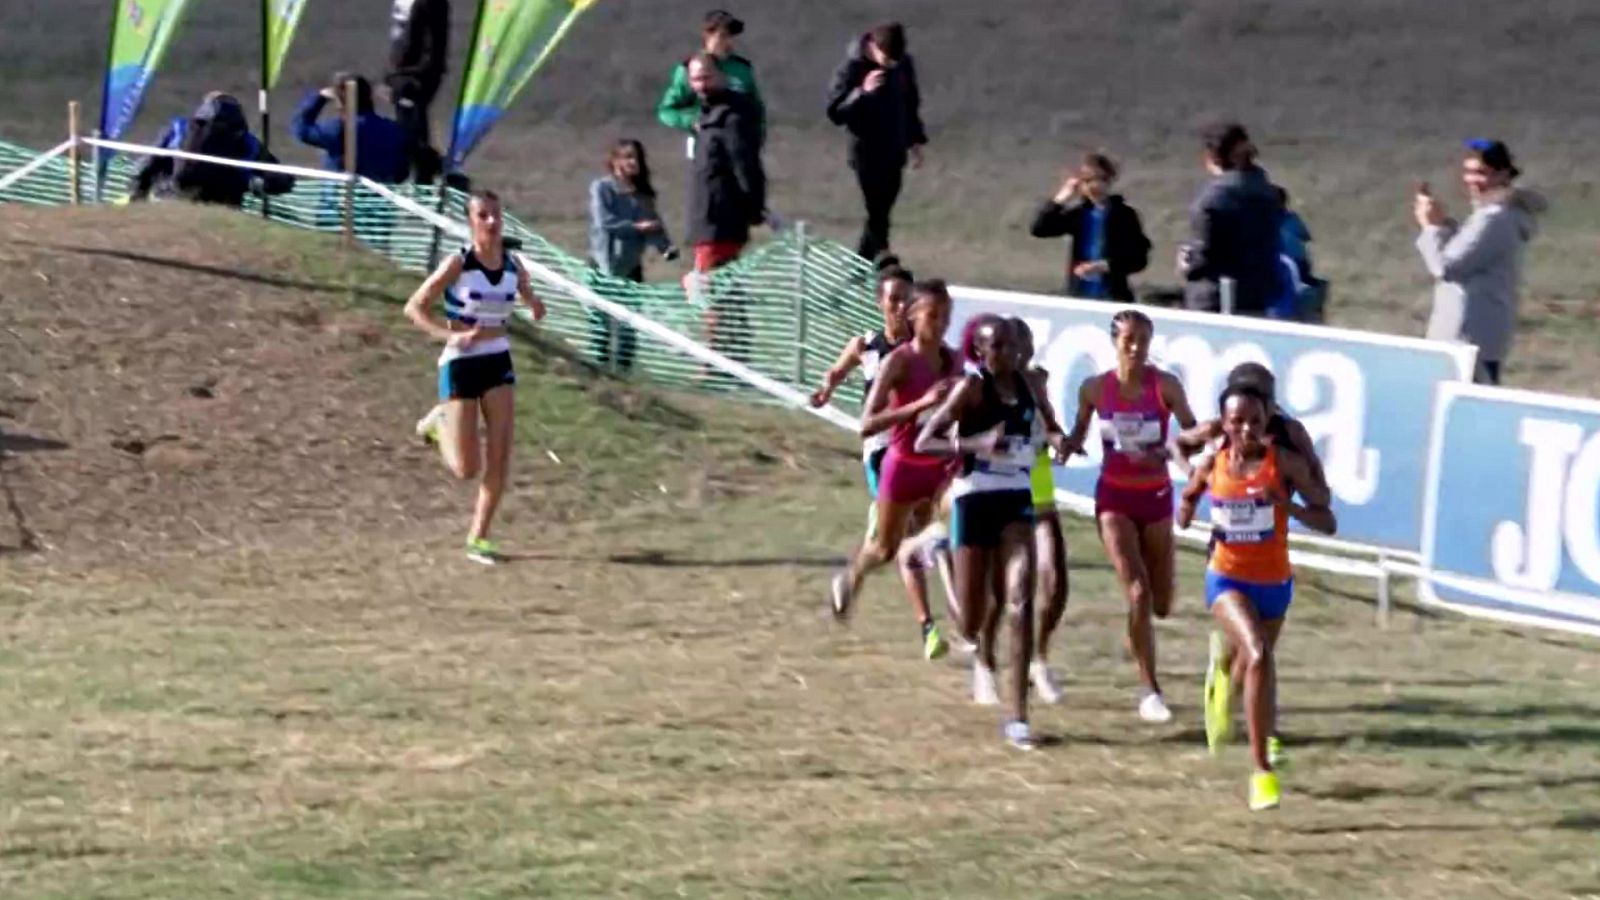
[{"x": 167, "y": 386}]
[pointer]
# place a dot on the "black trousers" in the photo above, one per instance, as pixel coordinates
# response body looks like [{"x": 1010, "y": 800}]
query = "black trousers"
[
  {"x": 412, "y": 102},
  {"x": 880, "y": 188}
]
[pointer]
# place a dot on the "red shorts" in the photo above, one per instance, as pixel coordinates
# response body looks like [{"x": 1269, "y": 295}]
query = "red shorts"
[
  {"x": 907, "y": 480},
  {"x": 713, "y": 254},
  {"x": 1144, "y": 505}
]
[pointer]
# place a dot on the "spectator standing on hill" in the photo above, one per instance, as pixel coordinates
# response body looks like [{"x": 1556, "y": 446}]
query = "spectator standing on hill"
[
  {"x": 1235, "y": 229},
  {"x": 217, "y": 128},
  {"x": 728, "y": 194},
  {"x": 874, "y": 96},
  {"x": 1108, "y": 240},
  {"x": 382, "y": 150},
  {"x": 1477, "y": 264},
  {"x": 622, "y": 222},
  {"x": 680, "y": 105},
  {"x": 419, "y": 47}
]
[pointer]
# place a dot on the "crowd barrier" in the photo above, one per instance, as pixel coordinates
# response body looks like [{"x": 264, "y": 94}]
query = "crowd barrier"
[{"x": 1490, "y": 498}]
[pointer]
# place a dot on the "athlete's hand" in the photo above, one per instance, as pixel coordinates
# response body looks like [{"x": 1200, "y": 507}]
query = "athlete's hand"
[
  {"x": 1062, "y": 448},
  {"x": 820, "y": 397},
  {"x": 536, "y": 306},
  {"x": 1185, "y": 513},
  {"x": 987, "y": 442},
  {"x": 461, "y": 340},
  {"x": 935, "y": 395}
]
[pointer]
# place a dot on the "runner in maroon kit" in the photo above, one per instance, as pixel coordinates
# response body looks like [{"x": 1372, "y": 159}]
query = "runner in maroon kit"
[{"x": 911, "y": 384}]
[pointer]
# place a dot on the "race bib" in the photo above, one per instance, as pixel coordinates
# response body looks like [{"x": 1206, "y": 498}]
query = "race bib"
[
  {"x": 1243, "y": 521},
  {"x": 1131, "y": 432}
]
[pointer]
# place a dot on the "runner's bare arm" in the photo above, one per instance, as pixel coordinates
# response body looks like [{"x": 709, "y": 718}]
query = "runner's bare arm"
[
  {"x": 938, "y": 435},
  {"x": 1193, "y": 440},
  {"x": 1080, "y": 424},
  {"x": 1173, "y": 395},
  {"x": 527, "y": 296},
  {"x": 1199, "y": 480},
  {"x": 876, "y": 416},
  {"x": 1315, "y": 512},
  {"x": 419, "y": 308},
  {"x": 1308, "y": 449},
  {"x": 847, "y": 362},
  {"x": 1039, "y": 382}
]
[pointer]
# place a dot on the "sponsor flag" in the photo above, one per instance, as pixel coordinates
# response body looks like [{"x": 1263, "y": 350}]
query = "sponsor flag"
[
  {"x": 279, "y": 18},
  {"x": 140, "y": 33},
  {"x": 511, "y": 40}
]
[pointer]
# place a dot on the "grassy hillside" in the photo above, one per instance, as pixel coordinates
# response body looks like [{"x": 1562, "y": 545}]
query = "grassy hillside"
[
  {"x": 243, "y": 655},
  {"x": 1351, "y": 102}
]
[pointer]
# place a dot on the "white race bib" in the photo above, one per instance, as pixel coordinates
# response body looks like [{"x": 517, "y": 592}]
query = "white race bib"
[
  {"x": 1244, "y": 521},
  {"x": 1131, "y": 432}
]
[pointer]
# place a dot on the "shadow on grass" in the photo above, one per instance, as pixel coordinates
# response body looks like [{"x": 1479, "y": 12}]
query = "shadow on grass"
[
  {"x": 1447, "y": 738},
  {"x": 24, "y": 443},
  {"x": 1440, "y": 706},
  {"x": 658, "y": 559}
]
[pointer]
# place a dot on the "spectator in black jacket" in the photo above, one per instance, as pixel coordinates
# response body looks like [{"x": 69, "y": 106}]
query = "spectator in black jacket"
[
  {"x": 727, "y": 196},
  {"x": 217, "y": 128},
  {"x": 419, "y": 44},
  {"x": 874, "y": 95},
  {"x": 1108, "y": 240},
  {"x": 1234, "y": 229},
  {"x": 729, "y": 191}
]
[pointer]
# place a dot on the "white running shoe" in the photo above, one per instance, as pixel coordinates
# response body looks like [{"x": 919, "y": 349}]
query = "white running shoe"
[
  {"x": 428, "y": 426},
  {"x": 984, "y": 692},
  {"x": 959, "y": 644},
  {"x": 1154, "y": 709},
  {"x": 1045, "y": 681},
  {"x": 1019, "y": 735}
]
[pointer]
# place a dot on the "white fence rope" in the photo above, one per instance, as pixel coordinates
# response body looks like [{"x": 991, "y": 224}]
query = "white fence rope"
[
  {"x": 142, "y": 150},
  {"x": 588, "y": 297},
  {"x": 36, "y": 165}
]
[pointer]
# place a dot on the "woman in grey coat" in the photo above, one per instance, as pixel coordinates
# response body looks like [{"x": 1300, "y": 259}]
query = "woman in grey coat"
[
  {"x": 622, "y": 223},
  {"x": 1478, "y": 263}
]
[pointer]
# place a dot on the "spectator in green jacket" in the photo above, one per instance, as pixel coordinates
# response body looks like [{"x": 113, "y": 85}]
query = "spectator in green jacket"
[{"x": 680, "y": 105}]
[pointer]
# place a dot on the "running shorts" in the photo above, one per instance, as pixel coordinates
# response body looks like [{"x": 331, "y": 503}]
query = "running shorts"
[
  {"x": 1145, "y": 506},
  {"x": 1043, "y": 481},
  {"x": 977, "y": 519},
  {"x": 470, "y": 377},
  {"x": 873, "y": 466},
  {"x": 907, "y": 480},
  {"x": 1271, "y": 601}
]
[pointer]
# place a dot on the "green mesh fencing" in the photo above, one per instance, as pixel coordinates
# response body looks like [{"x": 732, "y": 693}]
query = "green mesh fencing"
[{"x": 785, "y": 308}]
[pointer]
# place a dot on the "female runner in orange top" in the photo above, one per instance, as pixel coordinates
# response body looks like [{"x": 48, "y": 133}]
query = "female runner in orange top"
[{"x": 1249, "y": 582}]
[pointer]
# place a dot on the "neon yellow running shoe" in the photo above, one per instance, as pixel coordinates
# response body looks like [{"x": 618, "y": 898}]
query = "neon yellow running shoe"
[
  {"x": 933, "y": 645},
  {"x": 1264, "y": 791},
  {"x": 1275, "y": 755},
  {"x": 1218, "y": 697},
  {"x": 483, "y": 550}
]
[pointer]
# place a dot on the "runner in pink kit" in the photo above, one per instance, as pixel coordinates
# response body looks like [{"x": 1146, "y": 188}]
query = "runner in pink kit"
[
  {"x": 1133, "y": 500},
  {"x": 911, "y": 384}
]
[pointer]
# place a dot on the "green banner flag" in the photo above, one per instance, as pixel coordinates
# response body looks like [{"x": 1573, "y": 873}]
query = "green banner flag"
[
  {"x": 512, "y": 39},
  {"x": 140, "y": 33},
  {"x": 279, "y": 18}
]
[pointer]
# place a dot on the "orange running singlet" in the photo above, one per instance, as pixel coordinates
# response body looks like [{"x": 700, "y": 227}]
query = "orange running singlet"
[{"x": 1252, "y": 533}]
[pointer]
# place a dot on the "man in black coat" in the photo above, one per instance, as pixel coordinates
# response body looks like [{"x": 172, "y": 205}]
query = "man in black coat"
[
  {"x": 1235, "y": 227},
  {"x": 874, "y": 96},
  {"x": 727, "y": 195},
  {"x": 419, "y": 44},
  {"x": 1108, "y": 240},
  {"x": 729, "y": 191}
]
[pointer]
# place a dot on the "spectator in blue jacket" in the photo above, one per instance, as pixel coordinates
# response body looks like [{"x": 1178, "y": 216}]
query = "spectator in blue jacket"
[{"x": 383, "y": 148}]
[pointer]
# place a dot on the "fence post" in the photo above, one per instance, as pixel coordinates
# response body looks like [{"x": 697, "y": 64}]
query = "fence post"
[
  {"x": 803, "y": 245},
  {"x": 1226, "y": 287},
  {"x": 349, "y": 88},
  {"x": 1383, "y": 590},
  {"x": 73, "y": 175}
]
